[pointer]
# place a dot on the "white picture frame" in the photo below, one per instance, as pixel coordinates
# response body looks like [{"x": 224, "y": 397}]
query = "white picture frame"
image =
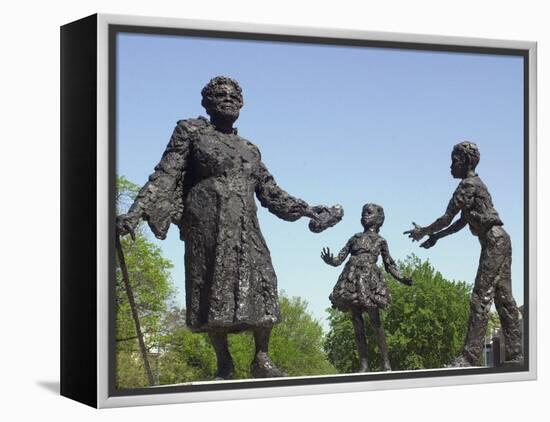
[{"x": 97, "y": 39}]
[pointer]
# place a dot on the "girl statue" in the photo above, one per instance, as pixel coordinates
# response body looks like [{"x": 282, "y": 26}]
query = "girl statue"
[{"x": 361, "y": 286}]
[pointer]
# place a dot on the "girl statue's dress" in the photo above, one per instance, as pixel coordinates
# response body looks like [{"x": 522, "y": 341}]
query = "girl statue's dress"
[{"x": 361, "y": 284}]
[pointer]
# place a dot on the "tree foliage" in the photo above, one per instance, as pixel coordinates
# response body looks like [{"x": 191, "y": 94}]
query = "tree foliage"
[
  {"x": 297, "y": 341},
  {"x": 185, "y": 356},
  {"x": 149, "y": 274},
  {"x": 425, "y": 324}
]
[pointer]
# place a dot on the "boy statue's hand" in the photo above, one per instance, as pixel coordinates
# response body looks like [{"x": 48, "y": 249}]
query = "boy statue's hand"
[
  {"x": 432, "y": 240},
  {"x": 417, "y": 233}
]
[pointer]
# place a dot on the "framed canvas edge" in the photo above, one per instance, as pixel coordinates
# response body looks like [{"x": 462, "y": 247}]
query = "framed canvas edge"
[{"x": 103, "y": 159}]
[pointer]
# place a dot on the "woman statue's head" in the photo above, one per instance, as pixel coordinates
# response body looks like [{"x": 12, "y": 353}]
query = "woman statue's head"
[{"x": 222, "y": 98}]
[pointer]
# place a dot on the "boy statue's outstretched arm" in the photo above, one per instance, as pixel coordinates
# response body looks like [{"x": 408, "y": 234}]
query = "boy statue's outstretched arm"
[
  {"x": 462, "y": 196},
  {"x": 453, "y": 228}
]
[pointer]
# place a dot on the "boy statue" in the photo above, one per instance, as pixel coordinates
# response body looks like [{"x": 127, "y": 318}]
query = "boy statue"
[{"x": 493, "y": 280}]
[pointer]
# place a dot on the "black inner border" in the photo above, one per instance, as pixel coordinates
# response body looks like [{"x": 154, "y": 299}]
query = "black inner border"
[{"x": 114, "y": 30}]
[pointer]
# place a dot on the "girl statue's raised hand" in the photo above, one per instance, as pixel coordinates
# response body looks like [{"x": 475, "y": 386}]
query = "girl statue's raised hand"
[{"x": 361, "y": 286}]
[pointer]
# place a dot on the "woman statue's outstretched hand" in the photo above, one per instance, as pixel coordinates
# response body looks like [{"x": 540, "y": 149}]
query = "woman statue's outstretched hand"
[{"x": 323, "y": 217}]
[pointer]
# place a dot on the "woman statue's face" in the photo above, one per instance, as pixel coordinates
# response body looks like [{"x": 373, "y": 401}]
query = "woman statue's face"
[{"x": 225, "y": 102}]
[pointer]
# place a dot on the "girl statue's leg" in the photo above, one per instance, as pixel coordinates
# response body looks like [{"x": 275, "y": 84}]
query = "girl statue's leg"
[
  {"x": 374, "y": 316},
  {"x": 360, "y": 339}
]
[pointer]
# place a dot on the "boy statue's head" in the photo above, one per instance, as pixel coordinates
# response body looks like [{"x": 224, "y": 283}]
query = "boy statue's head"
[{"x": 464, "y": 159}]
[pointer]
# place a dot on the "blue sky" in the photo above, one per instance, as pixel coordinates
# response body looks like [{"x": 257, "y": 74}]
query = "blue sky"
[{"x": 336, "y": 124}]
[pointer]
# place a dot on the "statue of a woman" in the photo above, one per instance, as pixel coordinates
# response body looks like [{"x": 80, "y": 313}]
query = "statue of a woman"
[
  {"x": 361, "y": 286},
  {"x": 205, "y": 184}
]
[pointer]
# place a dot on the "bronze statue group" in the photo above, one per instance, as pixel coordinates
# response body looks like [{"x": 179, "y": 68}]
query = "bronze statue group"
[{"x": 205, "y": 184}]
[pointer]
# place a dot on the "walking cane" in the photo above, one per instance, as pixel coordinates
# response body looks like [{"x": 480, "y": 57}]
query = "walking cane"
[{"x": 129, "y": 292}]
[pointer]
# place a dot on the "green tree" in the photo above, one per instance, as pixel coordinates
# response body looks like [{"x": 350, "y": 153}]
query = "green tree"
[
  {"x": 150, "y": 282},
  {"x": 185, "y": 356},
  {"x": 425, "y": 324},
  {"x": 297, "y": 342}
]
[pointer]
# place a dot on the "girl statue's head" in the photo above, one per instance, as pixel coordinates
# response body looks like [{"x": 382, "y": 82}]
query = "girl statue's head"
[{"x": 372, "y": 217}]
